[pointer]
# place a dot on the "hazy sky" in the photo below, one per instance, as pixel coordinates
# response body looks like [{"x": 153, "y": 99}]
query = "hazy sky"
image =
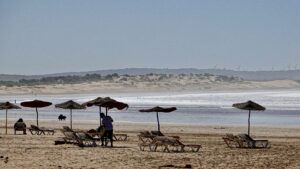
[{"x": 78, "y": 35}]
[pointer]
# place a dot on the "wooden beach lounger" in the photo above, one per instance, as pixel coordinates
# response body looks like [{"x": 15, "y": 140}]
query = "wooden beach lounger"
[
  {"x": 251, "y": 143},
  {"x": 120, "y": 137},
  {"x": 172, "y": 144},
  {"x": 79, "y": 138},
  {"x": 97, "y": 135},
  {"x": 165, "y": 143},
  {"x": 233, "y": 141},
  {"x": 244, "y": 141},
  {"x": 35, "y": 130}
]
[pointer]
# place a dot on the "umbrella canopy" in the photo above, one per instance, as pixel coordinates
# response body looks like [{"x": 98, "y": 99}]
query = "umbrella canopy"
[
  {"x": 159, "y": 109},
  {"x": 249, "y": 105},
  {"x": 6, "y": 106},
  {"x": 36, "y": 104},
  {"x": 70, "y": 105},
  {"x": 107, "y": 103},
  {"x": 96, "y": 101},
  {"x": 111, "y": 103}
]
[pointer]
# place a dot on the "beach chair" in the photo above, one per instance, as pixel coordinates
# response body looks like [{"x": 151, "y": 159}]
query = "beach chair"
[
  {"x": 249, "y": 142},
  {"x": 78, "y": 138},
  {"x": 233, "y": 141},
  {"x": 69, "y": 137},
  {"x": 146, "y": 136},
  {"x": 172, "y": 144},
  {"x": 145, "y": 140},
  {"x": 85, "y": 140},
  {"x": 35, "y": 130},
  {"x": 120, "y": 137},
  {"x": 67, "y": 128},
  {"x": 159, "y": 133}
]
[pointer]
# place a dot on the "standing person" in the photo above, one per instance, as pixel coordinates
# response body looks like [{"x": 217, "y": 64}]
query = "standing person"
[{"x": 107, "y": 123}]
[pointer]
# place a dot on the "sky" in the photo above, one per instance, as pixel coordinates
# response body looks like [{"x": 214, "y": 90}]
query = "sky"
[{"x": 41, "y": 37}]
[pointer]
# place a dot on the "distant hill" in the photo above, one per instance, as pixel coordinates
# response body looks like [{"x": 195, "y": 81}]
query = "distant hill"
[{"x": 246, "y": 75}]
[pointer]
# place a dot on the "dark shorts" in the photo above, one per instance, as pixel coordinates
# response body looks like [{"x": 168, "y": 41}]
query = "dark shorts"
[{"x": 107, "y": 134}]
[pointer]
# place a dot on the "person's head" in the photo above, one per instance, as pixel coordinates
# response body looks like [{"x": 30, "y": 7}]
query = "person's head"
[
  {"x": 102, "y": 115},
  {"x": 20, "y": 120}
]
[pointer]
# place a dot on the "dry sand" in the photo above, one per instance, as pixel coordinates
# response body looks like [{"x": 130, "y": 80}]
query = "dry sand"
[{"x": 31, "y": 151}]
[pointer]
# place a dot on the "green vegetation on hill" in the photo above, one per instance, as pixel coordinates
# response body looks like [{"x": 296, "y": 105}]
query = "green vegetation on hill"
[{"x": 117, "y": 78}]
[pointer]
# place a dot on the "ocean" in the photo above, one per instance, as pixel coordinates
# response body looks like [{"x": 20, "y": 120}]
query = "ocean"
[{"x": 196, "y": 108}]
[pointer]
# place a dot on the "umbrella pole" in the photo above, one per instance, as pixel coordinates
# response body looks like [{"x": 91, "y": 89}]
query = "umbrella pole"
[
  {"x": 6, "y": 123},
  {"x": 37, "y": 117},
  {"x": 158, "y": 125},
  {"x": 106, "y": 111},
  {"x": 249, "y": 123},
  {"x": 71, "y": 118},
  {"x": 100, "y": 115}
]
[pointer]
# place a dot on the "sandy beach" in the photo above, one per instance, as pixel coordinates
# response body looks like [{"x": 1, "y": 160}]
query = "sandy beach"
[{"x": 32, "y": 151}]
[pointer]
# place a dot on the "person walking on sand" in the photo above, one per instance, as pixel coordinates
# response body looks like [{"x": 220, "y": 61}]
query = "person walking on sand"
[{"x": 107, "y": 123}]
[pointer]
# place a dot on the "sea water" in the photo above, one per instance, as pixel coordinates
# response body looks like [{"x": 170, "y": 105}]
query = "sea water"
[{"x": 197, "y": 108}]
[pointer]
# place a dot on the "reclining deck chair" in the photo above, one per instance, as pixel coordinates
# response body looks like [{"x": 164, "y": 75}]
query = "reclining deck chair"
[
  {"x": 35, "y": 130},
  {"x": 251, "y": 143},
  {"x": 175, "y": 144},
  {"x": 78, "y": 138},
  {"x": 233, "y": 141}
]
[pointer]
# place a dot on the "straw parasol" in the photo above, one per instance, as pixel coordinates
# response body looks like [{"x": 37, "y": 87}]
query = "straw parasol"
[
  {"x": 7, "y": 105},
  {"x": 249, "y": 105},
  {"x": 36, "y": 104},
  {"x": 159, "y": 109},
  {"x": 93, "y": 102},
  {"x": 70, "y": 105},
  {"x": 107, "y": 103},
  {"x": 111, "y": 103}
]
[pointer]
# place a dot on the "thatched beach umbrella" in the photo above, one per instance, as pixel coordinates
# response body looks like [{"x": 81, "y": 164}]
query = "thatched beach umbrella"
[
  {"x": 111, "y": 104},
  {"x": 249, "y": 105},
  {"x": 93, "y": 102},
  {"x": 70, "y": 105},
  {"x": 107, "y": 103},
  {"x": 36, "y": 104},
  {"x": 7, "y": 105},
  {"x": 159, "y": 109}
]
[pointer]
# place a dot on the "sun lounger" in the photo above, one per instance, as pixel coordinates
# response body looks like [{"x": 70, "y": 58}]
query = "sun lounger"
[
  {"x": 159, "y": 133},
  {"x": 244, "y": 141},
  {"x": 147, "y": 137},
  {"x": 174, "y": 144},
  {"x": 233, "y": 141},
  {"x": 97, "y": 135},
  {"x": 85, "y": 140},
  {"x": 251, "y": 143},
  {"x": 67, "y": 128},
  {"x": 166, "y": 144},
  {"x": 70, "y": 137},
  {"x": 35, "y": 130},
  {"x": 79, "y": 138},
  {"x": 120, "y": 137}
]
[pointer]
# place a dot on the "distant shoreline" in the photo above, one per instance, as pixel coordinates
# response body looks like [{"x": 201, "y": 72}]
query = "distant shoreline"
[{"x": 152, "y": 84}]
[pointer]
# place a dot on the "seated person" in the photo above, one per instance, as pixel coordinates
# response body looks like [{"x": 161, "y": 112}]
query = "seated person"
[{"x": 20, "y": 126}]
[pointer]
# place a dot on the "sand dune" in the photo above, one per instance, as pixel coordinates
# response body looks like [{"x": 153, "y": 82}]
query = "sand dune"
[{"x": 210, "y": 83}]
